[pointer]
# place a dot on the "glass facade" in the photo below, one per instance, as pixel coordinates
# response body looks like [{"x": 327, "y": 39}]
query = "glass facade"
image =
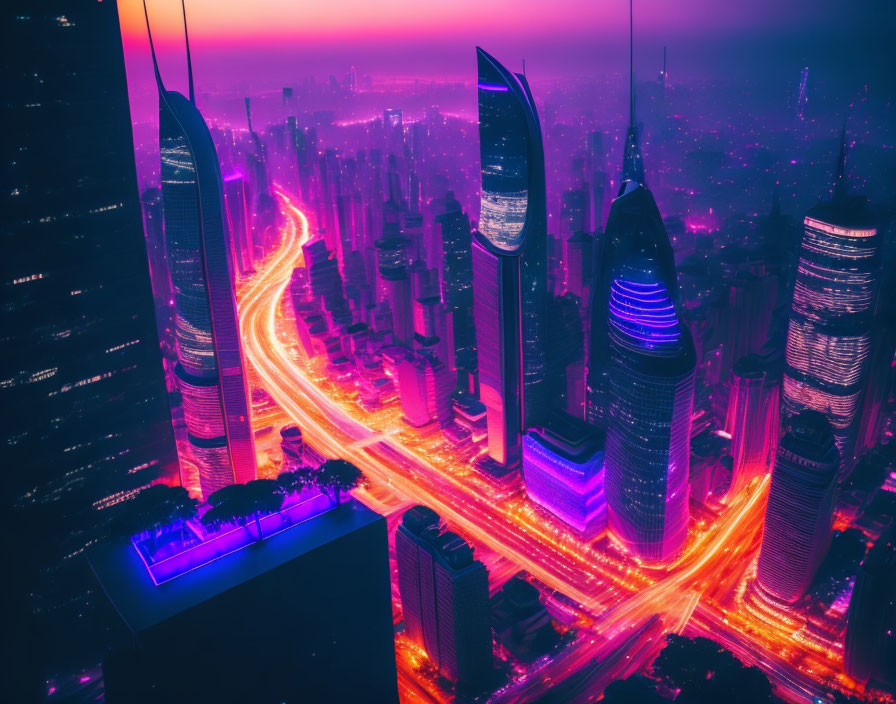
[
  {"x": 651, "y": 384},
  {"x": 512, "y": 225},
  {"x": 800, "y": 508},
  {"x": 210, "y": 366},
  {"x": 829, "y": 333}
]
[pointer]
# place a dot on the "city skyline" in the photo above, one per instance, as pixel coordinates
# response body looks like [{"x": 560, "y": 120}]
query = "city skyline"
[{"x": 546, "y": 372}]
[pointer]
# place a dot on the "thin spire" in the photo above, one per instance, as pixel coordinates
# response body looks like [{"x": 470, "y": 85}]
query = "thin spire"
[
  {"x": 631, "y": 64},
  {"x": 152, "y": 50},
  {"x": 632, "y": 160},
  {"x": 840, "y": 175},
  {"x": 183, "y": 7}
]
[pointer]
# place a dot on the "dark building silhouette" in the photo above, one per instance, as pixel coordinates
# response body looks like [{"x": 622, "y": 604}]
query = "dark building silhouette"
[
  {"x": 870, "y": 650},
  {"x": 799, "y": 514},
  {"x": 444, "y": 599},
  {"x": 522, "y": 623},
  {"x": 458, "y": 289},
  {"x": 283, "y": 620},
  {"x": 86, "y": 418}
]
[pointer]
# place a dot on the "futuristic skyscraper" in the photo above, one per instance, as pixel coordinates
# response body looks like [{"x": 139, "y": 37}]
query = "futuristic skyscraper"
[
  {"x": 509, "y": 258},
  {"x": 800, "y": 508},
  {"x": 210, "y": 366},
  {"x": 829, "y": 334},
  {"x": 640, "y": 378}
]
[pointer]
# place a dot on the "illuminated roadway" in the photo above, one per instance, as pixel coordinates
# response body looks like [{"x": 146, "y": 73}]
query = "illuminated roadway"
[{"x": 617, "y": 594}]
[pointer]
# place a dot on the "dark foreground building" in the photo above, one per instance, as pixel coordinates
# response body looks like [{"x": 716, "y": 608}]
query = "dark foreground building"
[
  {"x": 444, "y": 597},
  {"x": 86, "y": 419},
  {"x": 302, "y": 617},
  {"x": 870, "y": 650}
]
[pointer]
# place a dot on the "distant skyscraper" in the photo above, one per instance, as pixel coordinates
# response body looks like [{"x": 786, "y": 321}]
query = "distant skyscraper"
[
  {"x": 509, "y": 258},
  {"x": 458, "y": 290},
  {"x": 563, "y": 469},
  {"x": 444, "y": 599},
  {"x": 640, "y": 375},
  {"x": 210, "y": 366},
  {"x": 575, "y": 212},
  {"x": 829, "y": 334},
  {"x": 579, "y": 265},
  {"x": 800, "y": 508},
  {"x": 237, "y": 210},
  {"x": 86, "y": 419},
  {"x": 869, "y": 654}
]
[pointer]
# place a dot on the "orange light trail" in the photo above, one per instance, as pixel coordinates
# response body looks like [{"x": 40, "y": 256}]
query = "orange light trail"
[{"x": 615, "y": 592}]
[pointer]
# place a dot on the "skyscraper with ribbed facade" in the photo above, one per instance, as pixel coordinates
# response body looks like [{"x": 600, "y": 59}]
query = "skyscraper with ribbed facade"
[
  {"x": 509, "y": 258},
  {"x": 829, "y": 333},
  {"x": 800, "y": 507},
  {"x": 210, "y": 366},
  {"x": 640, "y": 375}
]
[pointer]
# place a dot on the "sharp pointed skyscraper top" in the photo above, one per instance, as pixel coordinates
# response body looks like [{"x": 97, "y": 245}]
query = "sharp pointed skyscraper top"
[
  {"x": 155, "y": 63},
  {"x": 152, "y": 50},
  {"x": 183, "y": 7},
  {"x": 632, "y": 160},
  {"x": 840, "y": 186}
]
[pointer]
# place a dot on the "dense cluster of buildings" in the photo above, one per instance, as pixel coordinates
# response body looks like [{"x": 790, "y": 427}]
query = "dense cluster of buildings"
[{"x": 614, "y": 379}]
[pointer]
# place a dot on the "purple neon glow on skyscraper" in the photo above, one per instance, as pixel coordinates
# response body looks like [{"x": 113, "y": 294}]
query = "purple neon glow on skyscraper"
[{"x": 210, "y": 366}]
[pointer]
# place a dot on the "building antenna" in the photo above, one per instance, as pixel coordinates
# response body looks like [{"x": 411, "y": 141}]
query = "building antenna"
[
  {"x": 840, "y": 177},
  {"x": 524, "y": 67},
  {"x": 152, "y": 50},
  {"x": 183, "y": 7},
  {"x": 631, "y": 63},
  {"x": 664, "y": 64}
]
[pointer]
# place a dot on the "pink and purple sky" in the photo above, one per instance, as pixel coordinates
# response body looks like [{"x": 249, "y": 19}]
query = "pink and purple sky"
[{"x": 267, "y": 43}]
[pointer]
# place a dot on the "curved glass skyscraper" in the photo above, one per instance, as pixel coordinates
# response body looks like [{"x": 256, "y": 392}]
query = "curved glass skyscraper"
[
  {"x": 829, "y": 334},
  {"x": 509, "y": 258},
  {"x": 650, "y": 371},
  {"x": 641, "y": 364},
  {"x": 210, "y": 367},
  {"x": 800, "y": 508}
]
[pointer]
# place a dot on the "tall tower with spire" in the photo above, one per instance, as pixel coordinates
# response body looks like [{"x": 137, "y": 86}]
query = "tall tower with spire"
[
  {"x": 831, "y": 316},
  {"x": 510, "y": 259},
  {"x": 209, "y": 359},
  {"x": 640, "y": 376}
]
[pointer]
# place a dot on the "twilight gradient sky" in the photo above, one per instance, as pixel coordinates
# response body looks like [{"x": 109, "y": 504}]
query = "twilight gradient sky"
[{"x": 266, "y": 43}]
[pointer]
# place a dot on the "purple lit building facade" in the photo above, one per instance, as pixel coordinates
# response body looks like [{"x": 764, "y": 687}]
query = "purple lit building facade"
[
  {"x": 563, "y": 470},
  {"x": 829, "y": 334},
  {"x": 641, "y": 369},
  {"x": 799, "y": 514},
  {"x": 236, "y": 208},
  {"x": 509, "y": 259},
  {"x": 651, "y": 376},
  {"x": 210, "y": 366},
  {"x": 753, "y": 420}
]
